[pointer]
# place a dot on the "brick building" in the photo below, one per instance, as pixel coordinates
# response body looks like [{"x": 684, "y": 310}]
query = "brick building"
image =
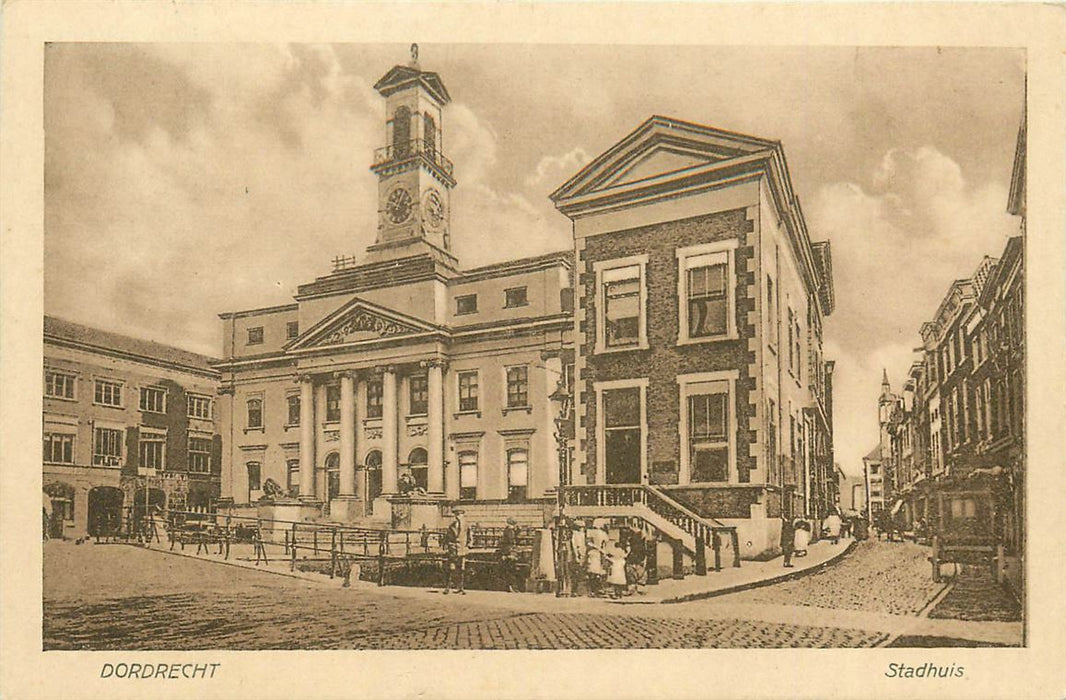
[
  {"x": 700, "y": 301},
  {"x": 122, "y": 414}
]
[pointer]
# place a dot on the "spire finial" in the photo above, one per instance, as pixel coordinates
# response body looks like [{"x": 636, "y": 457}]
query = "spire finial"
[{"x": 414, "y": 54}]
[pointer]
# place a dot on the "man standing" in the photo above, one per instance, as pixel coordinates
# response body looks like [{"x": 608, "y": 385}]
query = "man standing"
[
  {"x": 457, "y": 543},
  {"x": 788, "y": 535},
  {"x": 832, "y": 526},
  {"x": 508, "y": 556}
]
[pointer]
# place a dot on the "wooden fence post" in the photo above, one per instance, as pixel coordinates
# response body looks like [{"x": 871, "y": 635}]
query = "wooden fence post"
[{"x": 701, "y": 557}]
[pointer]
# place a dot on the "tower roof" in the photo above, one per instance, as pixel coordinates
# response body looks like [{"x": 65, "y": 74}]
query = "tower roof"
[{"x": 401, "y": 77}]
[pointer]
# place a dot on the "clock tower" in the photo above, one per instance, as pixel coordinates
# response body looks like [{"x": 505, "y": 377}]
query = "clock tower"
[{"x": 415, "y": 179}]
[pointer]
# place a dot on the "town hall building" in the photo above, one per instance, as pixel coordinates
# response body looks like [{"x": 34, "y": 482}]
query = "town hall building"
[{"x": 686, "y": 325}]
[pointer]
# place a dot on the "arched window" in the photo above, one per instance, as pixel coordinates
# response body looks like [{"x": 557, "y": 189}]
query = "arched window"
[
  {"x": 429, "y": 127},
  {"x": 255, "y": 413},
  {"x": 419, "y": 461},
  {"x": 373, "y": 460},
  {"x": 517, "y": 474},
  {"x": 333, "y": 475},
  {"x": 401, "y": 132},
  {"x": 373, "y": 478}
]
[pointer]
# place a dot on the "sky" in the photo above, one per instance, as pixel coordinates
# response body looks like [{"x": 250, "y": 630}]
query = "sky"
[{"x": 182, "y": 181}]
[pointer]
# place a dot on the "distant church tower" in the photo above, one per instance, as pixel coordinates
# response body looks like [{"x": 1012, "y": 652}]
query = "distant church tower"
[{"x": 415, "y": 180}]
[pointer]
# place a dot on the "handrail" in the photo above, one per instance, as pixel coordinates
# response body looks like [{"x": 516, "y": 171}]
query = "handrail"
[{"x": 410, "y": 148}]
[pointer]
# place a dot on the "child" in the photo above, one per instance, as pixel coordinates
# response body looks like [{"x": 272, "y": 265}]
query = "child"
[{"x": 616, "y": 576}]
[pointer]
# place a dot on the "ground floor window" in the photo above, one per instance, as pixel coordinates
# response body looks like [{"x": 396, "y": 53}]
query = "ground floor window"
[
  {"x": 707, "y": 420},
  {"x": 622, "y": 435},
  {"x": 517, "y": 474},
  {"x": 467, "y": 476},
  {"x": 292, "y": 482},
  {"x": 419, "y": 462},
  {"x": 254, "y": 476}
]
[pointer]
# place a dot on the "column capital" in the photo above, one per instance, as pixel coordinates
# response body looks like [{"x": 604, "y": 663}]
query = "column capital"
[
  {"x": 344, "y": 374},
  {"x": 434, "y": 362},
  {"x": 303, "y": 378},
  {"x": 384, "y": 369}
]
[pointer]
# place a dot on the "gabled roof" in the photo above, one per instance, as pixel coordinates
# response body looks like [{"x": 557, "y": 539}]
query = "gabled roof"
[
  {"x": 400, "y": 77},
  {"x": 360, "y": 320},
  {"x": 661, "y": 145},
  {"x": 874, "y": 456},
  {"x": 94, "y": 339}
]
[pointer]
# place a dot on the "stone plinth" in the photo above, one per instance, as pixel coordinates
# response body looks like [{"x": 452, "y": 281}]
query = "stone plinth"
[
  {"x": 346, "y": 509},
  {"x": 286, "y": 509},
  {"x": 414, "y": 512}
]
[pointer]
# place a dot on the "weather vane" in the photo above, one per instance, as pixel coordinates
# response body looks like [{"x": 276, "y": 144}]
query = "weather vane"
[{"x": 414, "y": 53}]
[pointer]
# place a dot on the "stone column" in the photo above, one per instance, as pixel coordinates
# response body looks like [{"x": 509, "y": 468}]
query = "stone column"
[
  {"x": 307, "y": 437},
  {"x": 359, "y": 473},
  {"x": 347, "y": 475},
  {"x": 389, "y": 435},
  {"x": 435, "y": 427}
]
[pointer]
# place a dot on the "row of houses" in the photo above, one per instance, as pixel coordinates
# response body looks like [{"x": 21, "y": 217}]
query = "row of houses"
[
  {"x": 674, "y": 354},
  {"x": 958, "y": 425}
]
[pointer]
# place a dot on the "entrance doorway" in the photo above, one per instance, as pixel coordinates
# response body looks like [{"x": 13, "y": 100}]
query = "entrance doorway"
[
  {"x": 622, "y": 435},
  {"x": 105, "y": 510},
  {"x": 373, "y": 479}
]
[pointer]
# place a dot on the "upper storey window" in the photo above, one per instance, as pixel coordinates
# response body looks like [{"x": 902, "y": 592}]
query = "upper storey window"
[
  {"x": 255, "y": 335},
  {"x": 466, "y": 304},
  {"x": 429, "y": 126},
  {"x": 705, "y": 284},
  {"x": 621, "y": 301},
  {"x": 515, "y": 296}
]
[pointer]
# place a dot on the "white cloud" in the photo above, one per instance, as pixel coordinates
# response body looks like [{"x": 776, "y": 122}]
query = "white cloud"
[{"x": 554, "y": 170}]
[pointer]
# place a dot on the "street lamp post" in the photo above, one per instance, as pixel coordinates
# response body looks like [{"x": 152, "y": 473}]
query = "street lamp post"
[{"x": 563, "y": 398}]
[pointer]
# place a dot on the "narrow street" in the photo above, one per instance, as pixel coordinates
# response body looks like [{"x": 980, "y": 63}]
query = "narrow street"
[{"x": 123, "y": 597}]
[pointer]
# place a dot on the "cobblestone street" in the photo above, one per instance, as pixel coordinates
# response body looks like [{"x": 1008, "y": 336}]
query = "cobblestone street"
[{"x": 124, "y": 597}]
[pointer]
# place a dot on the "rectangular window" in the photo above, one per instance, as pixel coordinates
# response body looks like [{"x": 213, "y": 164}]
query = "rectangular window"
[
  {"x": 771, "y": 431},
  {"x": 467, "y": 476},
  {"x": 771, "y": 313},
  {"x": 517, "y": 387},
  {"x": 515, "y": 297},
  {"x": 254, "y": 476},
  {"x": 292, "y": 329},
  {"x": 293, "y": 405},
  {"x": 374, "y": 391},
  {"x": 107, "y": 393},
  {"x": 255, "y": 335},
  {"x": 798, "y": 352},
  {"x": 517, "y": 474},
  {"x": 200, "y": 455},
  {"x": 466, "y": 304},
  {"x": 153, "y": 399},
  {"x": 292, "y": 478},
  {"x": 707, "y": 296},
  {"x": 153, "y": 449},
  {"x": 709, "y": 436},
  {"x": 621, "y": 302},
  {"x": 791, "y": 347},
  {"x": 199, "y": 406},
  {"x": 418, "y": 389},
  {"x": 58, "y": 385},
  {"x": 58, "y": 448},
  {"x": 333, "y": 403},
  {"x": 255, "y": 413},
  {"x": 107, "y": 447},
  {"x": 468, "y": 392}
]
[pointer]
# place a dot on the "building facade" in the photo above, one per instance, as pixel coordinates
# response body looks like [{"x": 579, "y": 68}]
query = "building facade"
[
  {"x": 697, "y": 329},
  {"x": 401, "y": 380},
  {"x": 125, "y": 420}
]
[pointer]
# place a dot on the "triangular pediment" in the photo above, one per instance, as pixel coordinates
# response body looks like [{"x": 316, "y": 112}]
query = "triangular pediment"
[
  {"x": 400, "y": 77},
  {"x": 360, "y": 321},
  {"x": 658, "y": 149}
]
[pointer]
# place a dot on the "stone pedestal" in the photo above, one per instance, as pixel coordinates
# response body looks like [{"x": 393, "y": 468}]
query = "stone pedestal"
[
  {"x": 289, "y": 510},
  {"x": 412, "y": 512},
  {"x": 346, "y": 509}
]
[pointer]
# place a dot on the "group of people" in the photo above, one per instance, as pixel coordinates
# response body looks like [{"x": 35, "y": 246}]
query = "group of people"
[{"x": 588, "y": 560}]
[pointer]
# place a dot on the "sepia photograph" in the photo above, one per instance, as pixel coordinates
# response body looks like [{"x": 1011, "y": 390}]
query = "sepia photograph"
[
  {"x": 598, "y": 350},
  {"x": 528, "y": 358}
]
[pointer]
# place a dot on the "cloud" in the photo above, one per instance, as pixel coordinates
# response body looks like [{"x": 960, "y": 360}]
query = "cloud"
[
  {"x": 898, "y": 244},
  {"x": 554, "y": 170}
]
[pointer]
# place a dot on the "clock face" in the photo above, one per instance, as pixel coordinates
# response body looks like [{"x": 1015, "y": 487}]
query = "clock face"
[
  {"x": 398, "y": 206},
  {"x": 433, "y": 207}
]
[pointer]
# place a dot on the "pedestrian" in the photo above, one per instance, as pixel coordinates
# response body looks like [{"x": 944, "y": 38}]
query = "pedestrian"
[
  {"x": 578, "y": 580},
  {"x": 802, "y": 538},
  {"x": 636, "y": 557},
  {"x": 788, "y": 534},
  {"x": 564, "y": 557},
  {"x": 508, "y": 555},
  {"x": 457, "y": 544},
  {"x": 616, "y": 576},
  {"x": 832, "y": 526},
  {"x": 595, "y": 545}
]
